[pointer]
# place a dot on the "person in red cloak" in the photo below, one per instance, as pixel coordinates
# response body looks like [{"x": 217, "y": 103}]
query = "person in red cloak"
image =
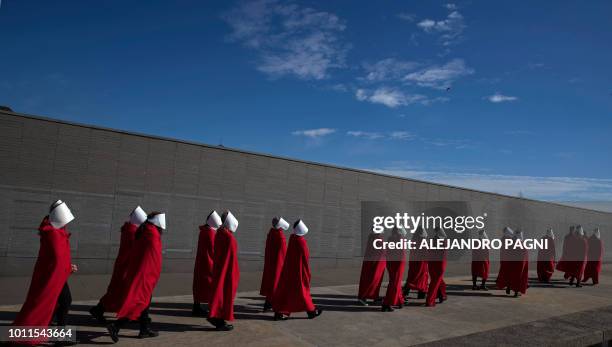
[
  {"x": 514, "y": 265},
  {"x": 593, "y": 265},
  {"x": 293, "y": 291},
  {"x": 226, "y": 274},
  {"x": 546, "y": 258},
  {"x": 507, "y": 263},
  {"x": 575, "y": 262},
  {"x": 480, "y": 264},
  {"x": 202, "y": 271},
  {"x": 372, "y": 270},
  {"x": 396, "y": 263},
  {"x": 436, "y": 265},
  {"x": 563, "y": 263},
  {"x": 49, "y": 294},
  {"x": 276, "y": 248},
  {"x": 143, "y": 270},
  {"x": 417, "y": 266},
  {"x": 112, "y": 299}
]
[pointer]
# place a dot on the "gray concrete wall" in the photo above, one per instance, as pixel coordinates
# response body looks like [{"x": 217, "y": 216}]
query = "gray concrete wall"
[{"x": 104, "y": 173}]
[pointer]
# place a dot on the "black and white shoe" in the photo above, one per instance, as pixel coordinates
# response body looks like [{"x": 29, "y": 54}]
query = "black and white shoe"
[
  {"x": 313, "y": 314},
  {"x": 280, "y": 316},
  {"x": 362, "y": 302},
  {"x": 113, "y": 331}
]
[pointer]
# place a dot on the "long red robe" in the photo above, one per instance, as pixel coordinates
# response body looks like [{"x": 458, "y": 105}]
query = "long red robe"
[
  {"x": 436, "y": 267},
  {"x": 276, "y": 248},
  {"x": 480, "y": 263},
  {"x": 546, "y": 261},
  {"x": 372, "y": 270},
  {"x": 396, "y": 263},
  {"x": 143, "y": 270},
  {"x": 417, "y": 267},
  {"x": 226, "y": 275},
  {"x": 576, "y": 257},
  {"x": 513, "y": 269},
  {"x": 111, "y": 301},
  {"x": 203, "y": 268},
  {"x": 52, "y": 269},
  {"x": 562, "y": 265},
  {"x": 293, "y": 291},
  {"x": 593, "y": 265}
]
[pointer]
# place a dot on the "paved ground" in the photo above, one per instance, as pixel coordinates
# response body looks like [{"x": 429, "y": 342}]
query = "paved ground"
[{"x": 344, "y": 323}]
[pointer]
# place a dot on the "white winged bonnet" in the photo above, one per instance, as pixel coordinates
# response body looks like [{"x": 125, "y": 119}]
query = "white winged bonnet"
[
  {"x": 299, "y": 228},
  {"x": 138, "y": 216},
  {"x": 229, "y": 221},
  {"x": 280, "y": 223},
  {"x": 213, "y": 220},
  {"x": 158, "y": 220},
  {"x": 60, "y": 214}
]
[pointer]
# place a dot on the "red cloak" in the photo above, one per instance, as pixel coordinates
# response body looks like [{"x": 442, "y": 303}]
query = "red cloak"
[
  {"x": 396, "y": 263},
  {"x": 112, "y": 299},
  {"x": 276, "y": 248},
  {"x": 576, "y": 257},
  {"x": 293, "y": 291},
  {"x": 51, "y": 272},
  {"x": 513, "y": 269},
  {"x": 417, "y": 267},
  {"x": 226, "y": 275},
  {"x": 142, "y": 273},
  {"x": 593, "y": 265},
  {"x": 372, "y": 270},
  {"x": 436, "y": 267},
  {"x": 546, "y": 261},
  {"x": 202, "y": 271},
  {"x": 480, "y": 263},
  {"x": 562, "y": 265}
]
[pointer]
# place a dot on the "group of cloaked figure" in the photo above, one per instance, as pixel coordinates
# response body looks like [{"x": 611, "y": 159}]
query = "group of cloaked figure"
[
  {"x": 581, "y": 260},
  {"x": 285, "y": 282}
]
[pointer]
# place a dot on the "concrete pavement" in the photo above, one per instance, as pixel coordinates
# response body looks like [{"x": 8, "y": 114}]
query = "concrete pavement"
[{"x": 345, "y": 323}]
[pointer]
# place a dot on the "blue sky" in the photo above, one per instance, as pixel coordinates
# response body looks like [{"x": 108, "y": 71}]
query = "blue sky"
[{"x": 504, "y": 96}]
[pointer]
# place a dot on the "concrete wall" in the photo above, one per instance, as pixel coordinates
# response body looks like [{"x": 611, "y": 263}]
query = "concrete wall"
[{"x": 104, "y": 173}]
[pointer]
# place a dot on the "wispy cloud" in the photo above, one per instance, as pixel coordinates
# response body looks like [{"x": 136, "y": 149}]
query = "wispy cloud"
[
  {"x": 314, "y": 133},
  {"x": 394, "y": 135},
  {"x": 365, "y": 134},
  {"x": 535, "y": 187},
  {"x": 401, "y": 135},
  {"x": 439, "y": 76},
  {"x": 497, "y": 98},
  {"x": 455, "y": 143},
  {"x": 388, "y": 69},
  {"x": 410, "y": 17},
  {"x": 289, "y": 39},
  {"x": 450, "y": 29},
  {"x": 390, "y": 97}
]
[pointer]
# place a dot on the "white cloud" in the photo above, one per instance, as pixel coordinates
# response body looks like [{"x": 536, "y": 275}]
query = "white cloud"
[
  {"x": 440, "y": 77},
  {"x": 450, "y": 29},
  {"x": 394, "y": 135},
  {"x": 410, "y": 17},
  {"x": 388, "y": 69},
  {"x": 289, "y": 39},
  {"x": 365, "y": 134},
  {"x": 497, "y": 98},
  {"x": 451, "y": 7},
  {"x": 401, "y": 135},
  {"x": 314, "y": 133},
  {"x": 390, "y": 97},
  {"x": 535, "y": 187}
]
